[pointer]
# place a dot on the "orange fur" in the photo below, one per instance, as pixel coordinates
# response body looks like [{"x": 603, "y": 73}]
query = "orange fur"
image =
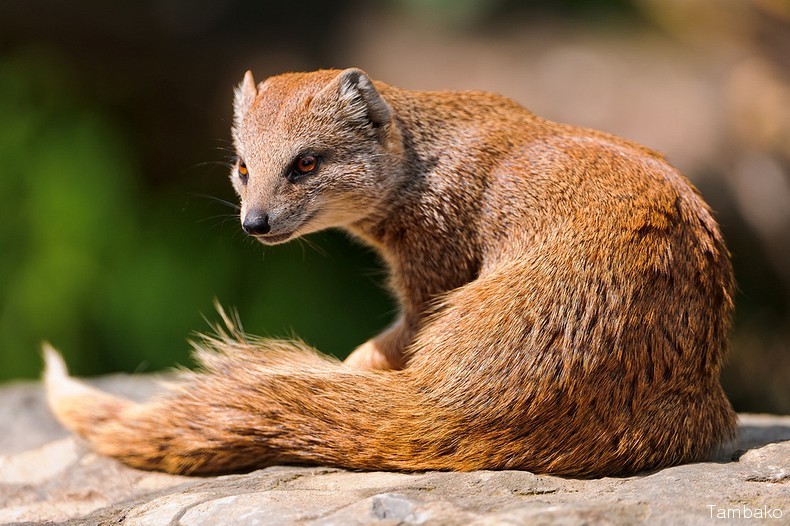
[{"x": 565, "y": 299}]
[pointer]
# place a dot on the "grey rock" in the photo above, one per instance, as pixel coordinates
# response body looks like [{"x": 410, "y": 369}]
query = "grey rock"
[{"x": 47, "y": 476}]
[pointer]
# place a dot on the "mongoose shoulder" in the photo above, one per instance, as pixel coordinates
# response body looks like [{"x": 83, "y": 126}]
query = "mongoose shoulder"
[{"x": 565, "y": 298}]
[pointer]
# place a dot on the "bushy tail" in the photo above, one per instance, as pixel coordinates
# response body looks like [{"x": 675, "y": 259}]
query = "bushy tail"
[
  {"x": 551, "y": 396},
  {"x": 255, "y": 403}
]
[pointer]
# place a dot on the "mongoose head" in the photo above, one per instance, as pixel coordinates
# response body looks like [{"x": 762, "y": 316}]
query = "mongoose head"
[{"x": 315, "y": 150}]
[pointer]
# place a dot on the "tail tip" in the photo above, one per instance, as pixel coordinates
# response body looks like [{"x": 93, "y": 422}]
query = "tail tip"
[
  {"x": 54, "y": 365},
  {"x": 57, "y": 382}
]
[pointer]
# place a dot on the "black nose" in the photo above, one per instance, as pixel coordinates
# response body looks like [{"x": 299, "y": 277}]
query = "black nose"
[{"x": 256, "y": 223}]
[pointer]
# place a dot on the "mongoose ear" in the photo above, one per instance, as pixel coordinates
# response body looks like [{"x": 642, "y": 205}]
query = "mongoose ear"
[
  {"x": 356, "y": 89},
  {"x": 243, "y": 98}
]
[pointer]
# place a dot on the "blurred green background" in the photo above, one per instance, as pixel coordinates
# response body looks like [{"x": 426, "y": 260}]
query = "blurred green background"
[{"x": 114, "y": 120}]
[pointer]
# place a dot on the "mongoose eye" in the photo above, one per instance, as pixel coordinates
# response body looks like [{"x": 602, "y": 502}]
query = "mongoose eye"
[
  {"x": 304, "y": 165},
  {"x": 242, "y": 170}
]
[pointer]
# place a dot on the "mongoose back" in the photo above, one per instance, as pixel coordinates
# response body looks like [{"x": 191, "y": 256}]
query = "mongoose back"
[{"x": 565, "y": 298}]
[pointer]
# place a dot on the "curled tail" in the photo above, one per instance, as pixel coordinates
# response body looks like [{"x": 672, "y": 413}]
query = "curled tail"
[
  {"x": 255, "y": 403},
  {"x": 506, "y": 375}
]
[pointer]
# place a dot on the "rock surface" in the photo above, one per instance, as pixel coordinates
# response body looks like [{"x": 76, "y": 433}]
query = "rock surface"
[{"x": 47, "y": 476}]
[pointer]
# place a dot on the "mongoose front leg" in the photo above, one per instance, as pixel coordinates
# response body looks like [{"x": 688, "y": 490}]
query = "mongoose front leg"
[{"x": 385, "y": 351}]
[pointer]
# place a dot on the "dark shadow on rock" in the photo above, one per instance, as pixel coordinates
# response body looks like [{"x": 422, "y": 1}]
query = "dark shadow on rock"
[
  {"x": 756, "y": 436},
  {"x": 755, "y": 432}
]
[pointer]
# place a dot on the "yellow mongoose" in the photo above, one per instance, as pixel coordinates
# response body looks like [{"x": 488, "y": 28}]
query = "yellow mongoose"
[{"x": 565, "y": 298}]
